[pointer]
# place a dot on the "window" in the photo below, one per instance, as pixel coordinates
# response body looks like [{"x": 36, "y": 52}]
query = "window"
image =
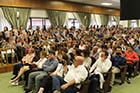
[
  {"x": 28, "y": 23},
  {"x": 48, "y": 23},
  {"x": 133, "y": 24},
  {"x": 93, "y": 20},
  {"x": 73, "y": 22},
  {"x": 38, "y": 22},
  {"x": 112, "y": 21}
]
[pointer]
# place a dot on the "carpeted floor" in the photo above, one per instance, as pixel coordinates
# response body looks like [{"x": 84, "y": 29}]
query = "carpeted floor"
[{"x": 5, "y": 86}]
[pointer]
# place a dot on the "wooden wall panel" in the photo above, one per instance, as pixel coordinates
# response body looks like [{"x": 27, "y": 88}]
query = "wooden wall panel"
[{"x": 59, "y": 5}]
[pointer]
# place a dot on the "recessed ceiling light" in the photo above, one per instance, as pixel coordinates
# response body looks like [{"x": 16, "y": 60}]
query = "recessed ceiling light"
[{"x": 106, "y": 4}]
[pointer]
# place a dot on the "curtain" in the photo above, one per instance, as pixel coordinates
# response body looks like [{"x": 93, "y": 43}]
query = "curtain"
[
  {"x": 104, "y": 19},
  {"x": 56, "y": 17},
  {"x": 129, "y": 23},
  {"x": 16, "y": 20},
  {"x": 84, "y": 18},
  {"x": 137, "y": 22},
  {"x": 11, "y": 15},
  {"x": 117, "y": 19},
  {"x": 24, "y": 15}
]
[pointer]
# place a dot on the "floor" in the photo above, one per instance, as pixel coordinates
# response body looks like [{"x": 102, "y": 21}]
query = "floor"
[{"x": 6, "y": 87}]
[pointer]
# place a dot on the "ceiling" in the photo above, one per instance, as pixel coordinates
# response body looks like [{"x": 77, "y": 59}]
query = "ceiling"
[{"x": 115, "y": 3}]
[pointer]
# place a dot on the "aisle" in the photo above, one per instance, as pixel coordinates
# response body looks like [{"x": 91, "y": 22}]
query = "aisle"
[{"x": 5, "y": 86}]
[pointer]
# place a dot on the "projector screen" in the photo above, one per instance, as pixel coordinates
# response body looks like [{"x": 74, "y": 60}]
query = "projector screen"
[{"x": 129, "y": 9}]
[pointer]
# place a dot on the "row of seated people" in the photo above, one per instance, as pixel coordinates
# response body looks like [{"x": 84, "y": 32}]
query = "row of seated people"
[
  {"x": 21, "y": 40},
  {"x": 65, "y": 71}
]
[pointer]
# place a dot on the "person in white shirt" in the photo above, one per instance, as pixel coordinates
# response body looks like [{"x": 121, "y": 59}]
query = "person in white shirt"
[
  {"x": 102, "y": 65},
  {"x": 76, "y": 73},
  {"x": 87, "y": 61}
]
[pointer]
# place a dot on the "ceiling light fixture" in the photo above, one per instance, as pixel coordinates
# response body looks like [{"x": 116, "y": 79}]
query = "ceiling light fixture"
[{"x": 106, "y": 4}]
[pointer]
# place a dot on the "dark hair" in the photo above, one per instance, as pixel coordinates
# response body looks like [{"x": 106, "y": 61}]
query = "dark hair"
[
  {"x": 78, "y": 52},
  {"x": 118, "y": 53},
  {"x": 130, "y": 46},
  {"x": 66, "y": 59},
  {"x": 52, "y": 52},
  {"x": 104, "y": 46},
  {"x": 7, "y": 39},
  {"x": 65, "y": 50},
  {"x": 118, "y": 47},
  {"x": 106, "y": 53},
  {"x": 86, "y": 53},
  {"x": 44, "y": 53}
]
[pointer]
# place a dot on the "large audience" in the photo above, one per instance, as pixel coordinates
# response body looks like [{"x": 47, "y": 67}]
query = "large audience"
[{"x": 58, "y": 59}]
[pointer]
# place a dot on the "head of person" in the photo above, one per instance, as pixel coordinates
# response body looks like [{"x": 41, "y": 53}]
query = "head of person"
[
  {"x": 64, "y": 51},
  {"x": 66, "y": 60},
  {"x": 78, "y": 52},
  {"x": 31, "y": 50},
  {"x": 21, "y": 28},
  {"x": 78, "y": 61},
  {"x": 8, "y": 40},
  {"x": 130, "y": 48},
  {"x": 104, "y": 55},
  {"x": 81, "y": 43},
  {"x": 51, "y": 55},
  {"x": 85, "y": 53},
  {"x": 5, "y": 28},
  {"x": 30, "y": 27},
  {"x": 43, "y": 54},
  {"x": 95, "y": 48},
  {"x": 104, "y": 47},
  {"x": 118, "y": 49}
]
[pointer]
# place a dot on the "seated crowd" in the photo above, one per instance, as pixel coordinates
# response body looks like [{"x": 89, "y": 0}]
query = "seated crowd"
[{"x": 59, "y": 59}]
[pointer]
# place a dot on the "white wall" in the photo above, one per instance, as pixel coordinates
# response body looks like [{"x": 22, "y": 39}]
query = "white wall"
[
  {"x": 124, "y": 23},
  {"x": 38, "y": 13},
  {"x": 70, "y": 15}
]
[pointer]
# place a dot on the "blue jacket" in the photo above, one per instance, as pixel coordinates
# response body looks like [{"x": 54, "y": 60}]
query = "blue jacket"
[
  {"x": 118, "y": 61},
  {"x": 50, "y": 65}
]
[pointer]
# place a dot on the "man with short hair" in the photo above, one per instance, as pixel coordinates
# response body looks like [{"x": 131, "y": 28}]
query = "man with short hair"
[
  {"x": 49, "y": 66},
  {"x": 76, "y": 73},
  {"x": 102, "y": 65}
]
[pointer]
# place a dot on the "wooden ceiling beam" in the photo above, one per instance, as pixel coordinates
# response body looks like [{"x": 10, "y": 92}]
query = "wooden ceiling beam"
[{"x": 59, "y": 5}]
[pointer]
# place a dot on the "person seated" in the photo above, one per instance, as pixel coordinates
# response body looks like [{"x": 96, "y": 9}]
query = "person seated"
[
  {"x": 26, "y": 65},
  {"x": 131, "y": 58},
  {"x": 137, "y": 50},
  {"x": 102, "y": 65},
  {"x": 8, "y": 49},
  {"x": 76, "y": 73},
  {"x": 104, "y": 48},
  {"x": 87, "y": 60},
  {"x": 35, "y": 66},
  {"x": 36, "y": 77},
  {"x": 94, "y": 52},
  {"x": 117, "y": 60},
  {"x": 46, "y": 85}
]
